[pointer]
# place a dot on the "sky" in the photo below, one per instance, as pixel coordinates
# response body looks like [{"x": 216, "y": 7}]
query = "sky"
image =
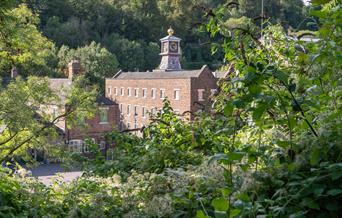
[{"x": 306, "y": 1}]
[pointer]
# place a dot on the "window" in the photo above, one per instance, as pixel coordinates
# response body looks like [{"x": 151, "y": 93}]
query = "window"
[
  {"x": 122, "y": 91},
  {"x": 162, "y": 93},
  {"x": 120, "y": 107},
  {"x": 102, "y": 145},
  {"x": 176, "y": 94},
  {"x": 136, "y": 110},
  {"x": 103, "y": 115},
  {"x": 200, "y": 94},
  {"x": 76, "y": 145},
  {"x": 136, "y": 92},
  {"x": 213, "y": 92},
  {"x": 129, "y": 91},
  {"x": 144, "y": 93},
  {"x": 128, "y": 110},
  {"x": 85, "y": 145},
  {"x": 153, "y": 93},
  {"x": 136, "y": 125},
  {"x": 109, "y": 91},
  {"x": 128, "y": 125},
  {"x": 116, "y": 91},
  {"x": 144, "y": 112}
]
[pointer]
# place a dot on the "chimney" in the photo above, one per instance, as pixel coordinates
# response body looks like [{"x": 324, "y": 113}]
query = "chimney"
[
  {"x": 14, "y": 72},
  {"x": 74, "y": 68}
]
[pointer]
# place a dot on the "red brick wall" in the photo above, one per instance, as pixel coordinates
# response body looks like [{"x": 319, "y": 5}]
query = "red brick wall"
[
  {"x": 169, "y": 85},
  {"x": 188, "y": 94},
  {"x": 93, "y": 128},
  {"x": 207, "y": 82}
]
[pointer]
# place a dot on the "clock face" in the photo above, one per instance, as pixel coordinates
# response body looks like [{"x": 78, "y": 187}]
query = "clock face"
[{"x": 173, "y": 46}]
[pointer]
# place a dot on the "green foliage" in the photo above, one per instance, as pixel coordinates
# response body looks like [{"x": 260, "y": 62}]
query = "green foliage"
[
  {"x": 25, "y": 115},
  {"x": 21, "y": 43},
  {"x": 98, "y": 62}
]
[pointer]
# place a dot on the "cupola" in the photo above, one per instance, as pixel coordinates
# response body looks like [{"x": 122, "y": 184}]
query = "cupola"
[{"x": 170, "y": 52}]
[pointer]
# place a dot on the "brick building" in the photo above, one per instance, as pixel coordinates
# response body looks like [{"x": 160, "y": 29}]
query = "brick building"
[
  {"x": 140, "y": 93},
  {"x": 105, "y": 120}
]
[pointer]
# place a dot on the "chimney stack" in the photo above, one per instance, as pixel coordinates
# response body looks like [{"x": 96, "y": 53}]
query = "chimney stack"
[
  {"x": 74, "y": 68},
  {"x": 14, "y": 72}
]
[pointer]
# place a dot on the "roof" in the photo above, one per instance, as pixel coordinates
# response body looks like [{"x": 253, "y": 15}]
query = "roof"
[
  {"x": 160, "y": 74},
  {"x": 170, "y": 38},
  {"x": 101, "y": 100},
  {"x": 220, "y": 74},
  {"x": 60, "y": 86},
  {"x": 57, "y": 84}
]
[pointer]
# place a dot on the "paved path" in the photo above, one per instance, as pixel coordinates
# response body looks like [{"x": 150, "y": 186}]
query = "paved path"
[{"x": 46, "y": 173}]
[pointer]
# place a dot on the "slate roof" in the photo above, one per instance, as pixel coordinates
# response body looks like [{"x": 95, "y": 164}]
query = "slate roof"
[
  {"x": 159, "y": 74},
  {"x": 101, "y": 100},
  {"x": 220, "y": 74}
]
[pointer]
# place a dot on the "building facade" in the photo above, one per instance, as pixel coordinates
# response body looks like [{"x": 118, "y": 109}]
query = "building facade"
[
  {"x": 141, "y": 93},
  {"x": 106, "y": 117}
]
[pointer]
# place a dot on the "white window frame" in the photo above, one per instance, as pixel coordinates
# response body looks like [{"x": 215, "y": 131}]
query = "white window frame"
[
  {"x": 176, "y": 97},
  {"x": 122, "y": 91},
  {"x": 128, "y": 110},
  {"x": 107, "y": 109},
  {"x": 76, "y": 145},
  {"x": 121, "y": 108},
  {"x": 153, "y": 93},
  {"x": 115, "y": 90},
  {"x": 128, "y": 125},
  {"x": 129, "y": 91},
  {"x": 162, "y": 90},
  {"x": 109, "y": 91},
  {"x": 143, "y": 111},
  {"x": 200, "y": 94},
  {"x": 135, "y": 110},
  {"x": 136, "y": 124},
  {"x": 144, "y": 93},
  {"x": 136, "y": 92}
]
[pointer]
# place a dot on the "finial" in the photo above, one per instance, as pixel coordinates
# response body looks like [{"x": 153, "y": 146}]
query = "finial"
[{"x": 170, "y": 31}]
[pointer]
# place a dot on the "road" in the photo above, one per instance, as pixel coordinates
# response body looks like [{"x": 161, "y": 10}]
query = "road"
[{"x": 46, "y": 173}]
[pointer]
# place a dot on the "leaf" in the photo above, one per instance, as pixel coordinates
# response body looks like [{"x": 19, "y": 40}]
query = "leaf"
[
  {"x": 235, "y": 155},
  {"x": 228, "y": 109},
  {"x": 258, "y": 111},
  {"x": 315, "y": 156},
  {"x": 320, "y": 2},
  {"x": 334, "y": 192},
  {"x": 234, "y": 212},
  {"x": 220, "y": 204},
  {"x": 226, "y": 192},
  {"x": 281, "y": 76},
  {"x": 218, "y": 157},
  {"x": 200, "y": 214}
]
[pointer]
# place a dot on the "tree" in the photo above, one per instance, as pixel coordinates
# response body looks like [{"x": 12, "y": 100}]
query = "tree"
[
  {"x": 25, "y": 117},
  {"x": 21, "y": 43},
  {"x": 98, "y": 62}
]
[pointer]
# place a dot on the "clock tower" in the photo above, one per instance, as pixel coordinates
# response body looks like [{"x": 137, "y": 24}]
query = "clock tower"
[{"x": 170, "y": 52}]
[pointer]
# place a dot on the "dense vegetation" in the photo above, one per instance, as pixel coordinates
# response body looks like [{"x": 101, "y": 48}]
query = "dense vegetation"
[
  {"x": 128, "y": 32},
  {"x": 270, "y": 146}
]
